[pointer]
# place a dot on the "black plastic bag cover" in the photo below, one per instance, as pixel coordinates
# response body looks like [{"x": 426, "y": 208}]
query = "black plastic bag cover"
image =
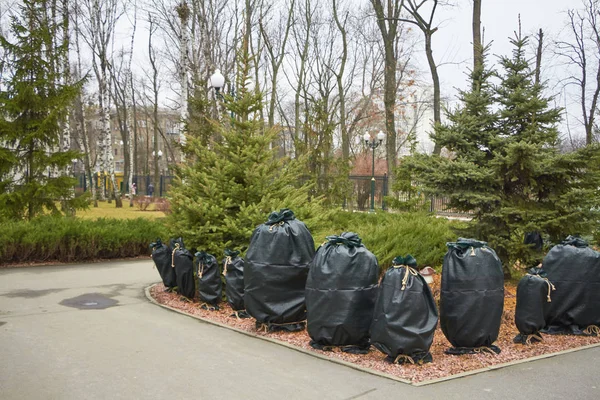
[
  {"x": 183, "y": 262},
  {"x": 161, "y": 254},
  {"x": 574, "y": 269},
  {"x": 233, "y": 269},
  {"x": 340, "y": 292},
  {"x": 472, "y": 295},
  {"x": 534, "y": 239},
  {"x": 534, "y": 294},
  {"x": 275, "y": 270},
  {"x": 209, "y": 278},
  {"x": 405, "y": 314}
]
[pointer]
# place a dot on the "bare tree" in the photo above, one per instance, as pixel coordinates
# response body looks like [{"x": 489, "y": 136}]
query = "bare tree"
[
  {"x": 275, "y": 42},
  {"x": 155, "y": 91},
  {"x": 301, "y": 35},
  {"x": 341, "y": 25},
  {"x": 183, "y": 12},
  {"x": 583, "y": 52},
  {"x": 101, "y": 18},
  {"x": 121, "y": 94},
  {"x": 388, "y": 21},
  {"x": 81, "y": 132},
  {"x": 424, "y": 22}
]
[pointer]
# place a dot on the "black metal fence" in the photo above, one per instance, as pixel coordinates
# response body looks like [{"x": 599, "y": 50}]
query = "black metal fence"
[
  {"x": 359, "y": 198},
  {"x": 142, "y": 182},
  {"x": 360, "y": 195}
]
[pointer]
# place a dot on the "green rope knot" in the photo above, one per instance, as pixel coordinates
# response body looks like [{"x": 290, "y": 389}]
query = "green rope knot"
[
  {"x": 156, "y": 244},
  {"x": 348, "y": 239},
  {"x": 408, "y": 261},
  {"x": 231, "y": 253},
  {"x": 463, "y": 244},
  {"x": 284, "y": 215},
  {"x": 575, "y": 241},
  {"x": 203, "y": 257}
]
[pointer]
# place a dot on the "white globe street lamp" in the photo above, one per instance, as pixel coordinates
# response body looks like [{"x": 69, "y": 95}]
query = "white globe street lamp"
[
  {"x": 217, "y": 81},
  {"x": 373, "y": 144}
]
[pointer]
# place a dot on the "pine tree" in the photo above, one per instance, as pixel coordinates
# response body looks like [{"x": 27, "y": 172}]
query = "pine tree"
[
  {"x": 506, "y": 168},
  {"x": 542, "y": 189},
  {"x": 232, "y": 178},
  {"x": 465, "y": 179},
  {"x": 33, "y": 103}
]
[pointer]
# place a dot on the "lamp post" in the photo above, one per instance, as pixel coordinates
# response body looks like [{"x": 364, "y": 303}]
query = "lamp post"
[
  {"x": 157, "y": 180},
  {"x": 217, "y": 82},
  {"x": 373, "y": 144}
]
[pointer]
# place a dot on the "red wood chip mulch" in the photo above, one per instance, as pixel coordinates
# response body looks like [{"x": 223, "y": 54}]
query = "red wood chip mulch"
[{"x": 443, "y": 365}]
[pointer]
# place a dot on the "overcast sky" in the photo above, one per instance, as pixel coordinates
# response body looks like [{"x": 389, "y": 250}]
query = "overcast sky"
[{"x": 452, "y": 43}]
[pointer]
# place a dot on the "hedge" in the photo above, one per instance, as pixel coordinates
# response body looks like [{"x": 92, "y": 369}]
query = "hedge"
[
  {"x": 388, "y": 235},
  {"x": 50, "y": 238},
  {"x": 70, "y": 239}
]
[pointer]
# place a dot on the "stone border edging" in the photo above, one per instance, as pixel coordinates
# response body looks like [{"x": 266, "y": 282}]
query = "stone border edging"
[{"x": 358, "y": 367}]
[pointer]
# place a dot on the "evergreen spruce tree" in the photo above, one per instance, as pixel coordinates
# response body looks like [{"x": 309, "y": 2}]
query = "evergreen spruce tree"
[
  {"x": 505, "y": 167},
  {"x": 464, "y": 179},
  {"x": 33, "y": 104},
  {"x": 542, "y": 190},
  {"x": 232, "y": 178}
]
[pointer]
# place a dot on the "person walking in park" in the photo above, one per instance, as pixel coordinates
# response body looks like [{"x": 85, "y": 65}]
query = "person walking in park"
[{"x": 150, "y": 190}]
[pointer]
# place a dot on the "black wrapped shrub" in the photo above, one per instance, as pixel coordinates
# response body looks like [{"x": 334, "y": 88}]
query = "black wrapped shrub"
[
  {"x": 472, "y": 297},
  {"x": 183, "y": 263},
  {"x": 209, "y": 280},
  {"x": 161, "y": 255},
  {"x": 340, "y": 294},
  {"x": 275, "y": 270},
  {"x": 534, "y": 295},
  {"x": 405, "y": 314},
  {"x": 233, "y": 270},
  {"x": 574, "y": 268}
]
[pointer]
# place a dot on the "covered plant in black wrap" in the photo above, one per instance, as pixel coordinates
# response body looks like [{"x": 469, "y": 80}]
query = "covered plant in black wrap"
[
  {"x": 340, "y": 294},
  {"x": 405, "y": 314},
  {"x": 183, "y": 263},
  {"x": 233, "y": 270},
  {"x": 574, "y": 268},
  {"x": 472, "y": 297},
  {"x": 161, "y": 255},
  {"x": 209, "y": 280},
  {"x": 534, "y": 295},
  {"x": 275, "y": 270}
]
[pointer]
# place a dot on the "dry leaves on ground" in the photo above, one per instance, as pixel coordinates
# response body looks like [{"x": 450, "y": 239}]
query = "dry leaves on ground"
[{"x": 443, "y": 365}]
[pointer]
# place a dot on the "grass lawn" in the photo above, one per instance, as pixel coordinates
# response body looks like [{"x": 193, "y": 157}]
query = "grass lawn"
[{"x": 106, "y": 210}]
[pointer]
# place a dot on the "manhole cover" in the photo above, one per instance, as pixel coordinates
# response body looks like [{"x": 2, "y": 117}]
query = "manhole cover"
[{"x": 90, "y": 301}]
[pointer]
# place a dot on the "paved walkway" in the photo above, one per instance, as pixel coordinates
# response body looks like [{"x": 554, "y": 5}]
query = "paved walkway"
[{"x": 117, "y": 345}]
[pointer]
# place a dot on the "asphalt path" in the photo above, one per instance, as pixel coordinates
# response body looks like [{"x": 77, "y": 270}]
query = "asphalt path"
[{"x": 88, "y": 332}]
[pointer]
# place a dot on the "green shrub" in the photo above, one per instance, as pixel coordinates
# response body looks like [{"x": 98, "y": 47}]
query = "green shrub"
[
  {"x": 388, "y": 235},
  {"x": 70, "y": 239}
]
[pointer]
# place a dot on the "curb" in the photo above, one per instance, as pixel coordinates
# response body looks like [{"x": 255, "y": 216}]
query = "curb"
[{"x": 363, "y": 369}]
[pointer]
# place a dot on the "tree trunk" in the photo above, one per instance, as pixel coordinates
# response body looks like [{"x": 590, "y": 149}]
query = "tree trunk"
[
  {"x": 184, "y": 12},
  {"x": 81, "y": 118},
  {"x": 437, "y": 103},
  {"x": 340, "y": 85},
  {"x": 477, "y": 45},
  {"x": 538, "y": 57},
  {"x": 66, "y": 128},
  {"x": 389, "y": 36}
]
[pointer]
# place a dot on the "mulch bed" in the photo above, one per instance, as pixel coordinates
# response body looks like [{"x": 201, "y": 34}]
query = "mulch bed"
[{"x": 443, "y": 365}]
